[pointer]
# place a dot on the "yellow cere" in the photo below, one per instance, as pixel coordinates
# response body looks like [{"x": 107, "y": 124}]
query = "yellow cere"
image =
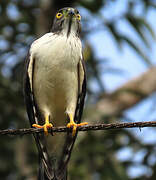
[{"x": 58, "y": 15}]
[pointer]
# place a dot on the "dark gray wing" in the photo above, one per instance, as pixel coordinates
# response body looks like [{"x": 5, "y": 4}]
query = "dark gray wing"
[
  {"x": 82, "y": 92},
  {"x": 28, "y": 95},
  {"x": 69, "y": 143},
  {"x": 33, "y": 114}
]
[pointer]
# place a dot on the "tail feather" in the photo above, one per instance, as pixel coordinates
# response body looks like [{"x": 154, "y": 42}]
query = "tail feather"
[
  {"x": 46, "y": 171},
  {"x": 61, "y": 172},
  {"x": 45, "y": 174}
]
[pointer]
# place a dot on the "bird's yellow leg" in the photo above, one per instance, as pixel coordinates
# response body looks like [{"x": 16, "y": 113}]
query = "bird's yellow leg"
[
  {"x": 73, "y": 124},
  {"x": 45, "y": 126}
]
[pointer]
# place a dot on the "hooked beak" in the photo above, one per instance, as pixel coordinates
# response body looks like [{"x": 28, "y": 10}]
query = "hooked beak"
[{"x": 70, "y": 15}]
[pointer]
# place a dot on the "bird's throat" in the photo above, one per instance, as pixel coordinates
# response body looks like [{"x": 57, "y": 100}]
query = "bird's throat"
[{"x": 69, "y": 26}]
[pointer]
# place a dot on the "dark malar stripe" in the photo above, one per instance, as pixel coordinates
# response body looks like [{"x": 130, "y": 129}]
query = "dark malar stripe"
[{"x": 69, "y": 26}]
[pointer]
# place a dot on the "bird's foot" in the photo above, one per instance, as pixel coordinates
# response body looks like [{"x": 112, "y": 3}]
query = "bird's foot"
[
  {"x": 74, "y": 125},
  {"x": 45, "y": 126}
]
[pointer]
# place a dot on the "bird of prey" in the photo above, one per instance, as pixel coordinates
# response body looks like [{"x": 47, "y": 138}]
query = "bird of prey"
[{"x": 54, "y": 91}]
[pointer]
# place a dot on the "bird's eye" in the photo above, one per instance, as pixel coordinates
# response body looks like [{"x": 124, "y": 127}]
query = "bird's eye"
[
  {"x": 78, "y": 17},
  {"x": 58, "y": 15}
]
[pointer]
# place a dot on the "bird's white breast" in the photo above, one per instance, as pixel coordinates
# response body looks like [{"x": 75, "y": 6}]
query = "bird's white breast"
[{"x": 55, "y": 74}]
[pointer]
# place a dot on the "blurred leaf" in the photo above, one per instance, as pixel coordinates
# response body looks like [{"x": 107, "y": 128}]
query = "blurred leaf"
[
  {"x": 145, "y": 24},
  {"x": 87, "y": 51},
  {"x": 136, "y": 24},
  {"x": 92, "y": 5},
  {"x": 137, "y": 50},
  {"x": 112, "y": 29}
]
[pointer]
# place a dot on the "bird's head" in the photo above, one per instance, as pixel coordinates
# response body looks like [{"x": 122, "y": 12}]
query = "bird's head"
[{"x": 67, "y": 20}]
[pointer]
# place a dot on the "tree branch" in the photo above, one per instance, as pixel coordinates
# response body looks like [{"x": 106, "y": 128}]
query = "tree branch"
[
  {"x": 112, "y": 126},
  {"x": 123, "y": 98}
]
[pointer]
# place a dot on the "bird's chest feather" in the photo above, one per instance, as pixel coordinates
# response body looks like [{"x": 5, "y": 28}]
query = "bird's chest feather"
[
  {"x": 58, "y": 57},
  {"x": 56, "y": 66}
]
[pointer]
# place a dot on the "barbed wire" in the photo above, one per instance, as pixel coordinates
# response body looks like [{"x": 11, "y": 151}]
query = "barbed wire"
[{"x": 93, "y": 127}]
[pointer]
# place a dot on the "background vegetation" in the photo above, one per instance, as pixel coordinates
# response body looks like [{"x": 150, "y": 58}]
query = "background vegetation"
[{"x": 108, "y": 155}]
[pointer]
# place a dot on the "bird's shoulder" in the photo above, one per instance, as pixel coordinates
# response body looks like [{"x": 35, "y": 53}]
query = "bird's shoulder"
[{"x": 46, "y": 38}]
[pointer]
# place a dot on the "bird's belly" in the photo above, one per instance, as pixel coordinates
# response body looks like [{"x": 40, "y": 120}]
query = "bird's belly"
[{"x": 54, "y": 88}]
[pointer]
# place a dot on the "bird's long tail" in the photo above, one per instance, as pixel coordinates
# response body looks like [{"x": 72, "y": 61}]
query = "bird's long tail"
[
  {"x": 44, "y": 174},
  {"x": 46, "y": 171},
  {"x": 47, "y": 167}
]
